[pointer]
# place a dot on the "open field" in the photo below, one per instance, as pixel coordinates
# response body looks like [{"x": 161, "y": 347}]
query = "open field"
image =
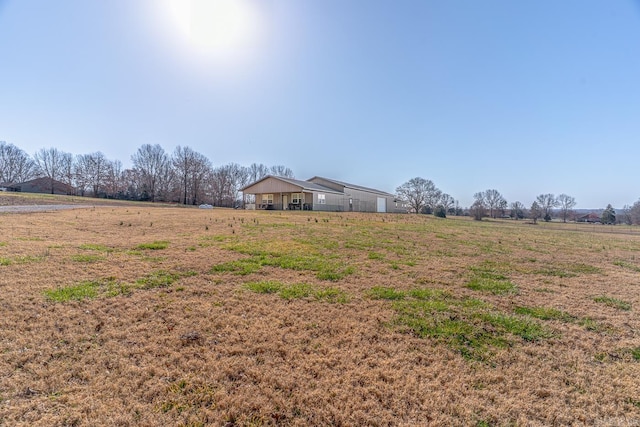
[{"x": 133, "y": 315}]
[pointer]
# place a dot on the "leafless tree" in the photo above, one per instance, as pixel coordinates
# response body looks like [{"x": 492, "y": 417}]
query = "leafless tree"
[
  {"x": 416, "y": 192},
  {"x": 256, "y": 172},
  {"x": 634, "y": 212},
  {"x": 478, "y": 209},
  {"x": 283, "y": 171},
  {"x": 226, "y": 182},
  {"x": 15, "y": 165},
  {"x": 447, "y": 202},
  {"x": 191, "y": 168},
  {"x": 90, "y": 172},
  {"x": 566, "y": 203},
  {"x": 114, "y": 182},
  {"x": 546, "y": 202},
  {"x": 52, "y": 163},
  {"x": 517, "y": 210},
  {"x": 153, "y": 165},
  {"x": 535, "y": 212},
  {"x": 493, "y": 201}
]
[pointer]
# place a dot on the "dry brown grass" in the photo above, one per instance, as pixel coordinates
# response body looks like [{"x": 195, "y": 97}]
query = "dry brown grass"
[{"x": 206, "y": 349}]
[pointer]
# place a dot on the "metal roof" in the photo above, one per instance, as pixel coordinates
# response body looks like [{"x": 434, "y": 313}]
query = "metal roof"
[
  {"x": 304, "y": 185},
  {"x": 355, "y": 187}
]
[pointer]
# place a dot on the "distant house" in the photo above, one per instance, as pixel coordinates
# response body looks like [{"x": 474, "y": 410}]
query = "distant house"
[
  {"x": 590, "y": 217},
  {"x": 43, "y": 185},
  {"x": 319, "y": 194}
]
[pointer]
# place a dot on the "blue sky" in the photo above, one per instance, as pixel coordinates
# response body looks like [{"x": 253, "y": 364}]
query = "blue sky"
[{"x": 526, "y": 97}]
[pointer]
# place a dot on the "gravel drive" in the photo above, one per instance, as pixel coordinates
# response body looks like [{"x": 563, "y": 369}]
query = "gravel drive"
[{"x": 39, "y": 208}]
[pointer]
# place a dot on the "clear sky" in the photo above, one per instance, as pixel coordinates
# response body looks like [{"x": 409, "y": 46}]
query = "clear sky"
[{"x": 527, "y": 96}]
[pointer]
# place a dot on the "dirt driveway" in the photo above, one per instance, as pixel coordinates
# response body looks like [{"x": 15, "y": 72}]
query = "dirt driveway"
[{"x": 39, "y": 208}]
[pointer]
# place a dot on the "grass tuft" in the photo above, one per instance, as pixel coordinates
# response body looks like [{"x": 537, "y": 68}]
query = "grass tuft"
[
  {"x": 153, "y": 246},
  {"x": 613, "y": 302},
  {"x": 157, "y": 279},
  {"x": 298, "y": 291},
  {"x": 545, "y": 313},
  {"x": 264, "y": 287}
]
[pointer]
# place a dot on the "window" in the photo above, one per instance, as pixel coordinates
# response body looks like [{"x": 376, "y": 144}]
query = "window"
[
  {"x": 321, "y": 199},
  {"x": 296, "y": 198},
  {"x": 267, "y": 199}
]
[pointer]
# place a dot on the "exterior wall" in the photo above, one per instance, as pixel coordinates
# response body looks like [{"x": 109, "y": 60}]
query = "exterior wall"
[
  {"x": 272, "y": 186},
  {"x": 363, "y": 201}
]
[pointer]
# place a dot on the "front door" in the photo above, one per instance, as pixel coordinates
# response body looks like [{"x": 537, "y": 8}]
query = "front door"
[{"x": 285, "y": 202}]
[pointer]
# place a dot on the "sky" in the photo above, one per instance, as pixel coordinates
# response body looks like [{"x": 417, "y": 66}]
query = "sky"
[{"x": 526, "y": 97}]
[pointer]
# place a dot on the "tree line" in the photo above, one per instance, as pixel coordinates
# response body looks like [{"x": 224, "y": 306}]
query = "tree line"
[
  {"x": 184, "y": 176},
  {"x": 422, "y": 196}
]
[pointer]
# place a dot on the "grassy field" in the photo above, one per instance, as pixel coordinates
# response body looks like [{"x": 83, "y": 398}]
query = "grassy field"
[{"x": 133, "y": 315}]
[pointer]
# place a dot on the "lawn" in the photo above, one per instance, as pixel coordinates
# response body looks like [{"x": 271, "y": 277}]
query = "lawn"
[{"x": 138, "y": 315}]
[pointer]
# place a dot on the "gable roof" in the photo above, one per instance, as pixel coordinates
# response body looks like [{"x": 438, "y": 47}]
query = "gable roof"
[
  {"x": 304, "y": 185},
  {"x": 354, "y": 186}
]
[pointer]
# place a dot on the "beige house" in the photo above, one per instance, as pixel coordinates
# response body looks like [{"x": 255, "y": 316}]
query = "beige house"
[{"x": 318, "y": 194}]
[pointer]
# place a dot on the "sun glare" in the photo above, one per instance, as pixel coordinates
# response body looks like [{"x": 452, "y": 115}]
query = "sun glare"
[{"x": 221, "y": 28}]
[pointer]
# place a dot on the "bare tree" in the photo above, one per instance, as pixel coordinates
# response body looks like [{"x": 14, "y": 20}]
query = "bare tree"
[
  {"x": 52, "y": 163},
  {"x": 90, "y": 172},
  {"x": 634, "y": 212},
  {"x": 152, "y": 164},
  {"x": 447, "y": 202},
  {"x": 478, "y": 210},
  {"x": 493, "y": 201},
  {"x": 566, "y": 203},
  {"x": 226, "y": 182},
  {"x": 517, "y": 210},
  {"x": 431, "y": 200},
  {"x": 256, "y": 172},
  {"x": 15, "y": 165},
  {"x": 191, "y": 170},
  {"x": 416, "y": 192},
  {"x": 280, "y": 170},
  {"x": 114, "y": 182},
  {"x": 547, "y": 202},
  {"x": 535, "y": 212}
]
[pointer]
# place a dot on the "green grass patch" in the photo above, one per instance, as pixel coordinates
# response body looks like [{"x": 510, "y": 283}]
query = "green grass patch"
[
  {"x": 613, "y": 302},
  {"x": 331, "y": 295},
  {"x": 494, "y": 286},
  {"x": 470, "y": 326},
  {"x": 265, "y": 286},
  {"x": 5, "y": 261},
  {"x": 88, "y": 289},
  {"x": 382, "y": 292},
  {"x": 325, "y": 269},
  {"x": 157, "y": 279},
  {"x": 153, "y": 246},
  {"x": 241, "y": 267},
  {"x": 78, "y": 292},
  {"x": 298, "y": 291},
  {"x": 545, "y": 313},
  {"x": 635, "y": 353},
  {"x": 375, "y": 255}
]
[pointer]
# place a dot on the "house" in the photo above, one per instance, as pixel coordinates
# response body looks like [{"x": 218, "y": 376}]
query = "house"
[
  {"x": 590, "y": 217},
  {"x": 319, "y": 194},
  {"x": 44, "y": 185}
]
